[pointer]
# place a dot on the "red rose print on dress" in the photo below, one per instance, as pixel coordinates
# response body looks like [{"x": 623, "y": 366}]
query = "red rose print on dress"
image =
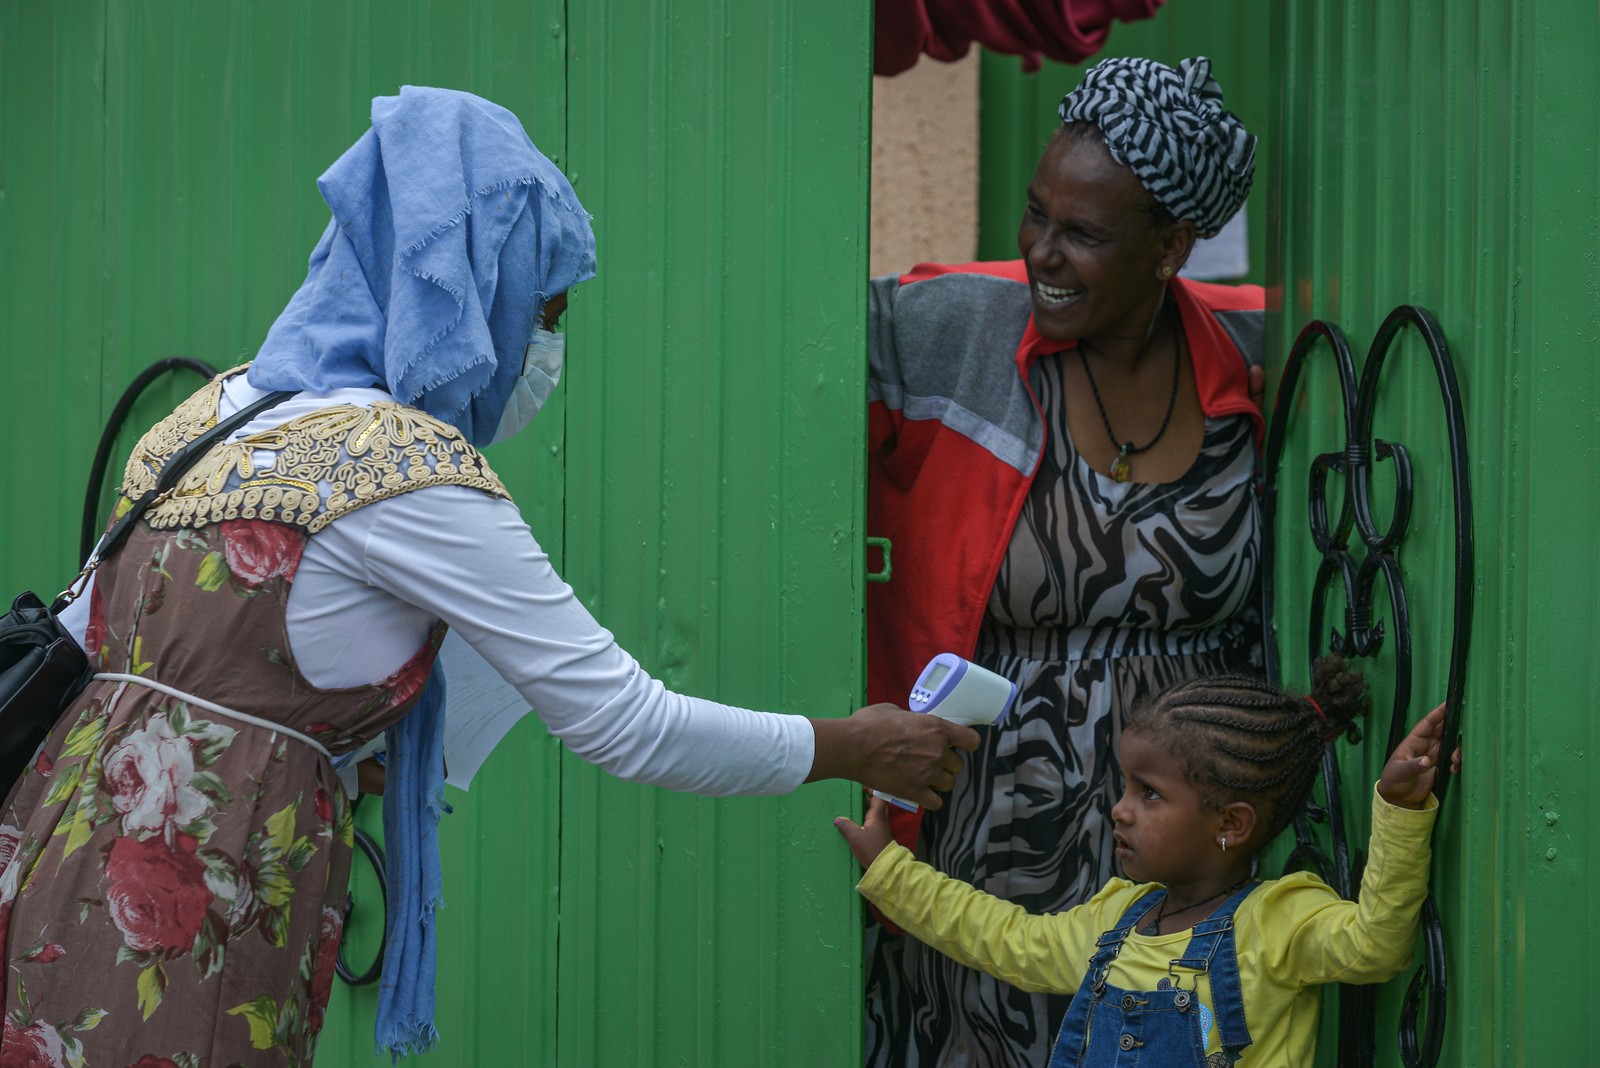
[
  {"x": 150, "y": 1060},
  {"x": 257, "y": 550},
  {"x": 323, "y": 803},
  {"x": 48, "y": 953},
  {"x": 150, "y": 776},
  {"x": 157, "y": 896},
  {"x": 327, "y": 958},
  {"x": 94, "y": 635},
  {"x": 37, "y": 1045},
  {"x": 411, "y": 676}
]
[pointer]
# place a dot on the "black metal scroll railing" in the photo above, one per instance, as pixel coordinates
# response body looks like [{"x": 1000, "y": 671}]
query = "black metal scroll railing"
[
  {"x": 372, "y": 852},
  {"x": 1422, "y": 1017}
]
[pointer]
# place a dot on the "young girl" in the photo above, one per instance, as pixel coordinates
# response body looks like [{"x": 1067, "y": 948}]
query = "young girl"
[{"x": 1191, "y": 960}]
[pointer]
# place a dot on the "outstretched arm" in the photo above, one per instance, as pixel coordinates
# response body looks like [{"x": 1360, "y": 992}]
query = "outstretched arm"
[
  {"x": 1325, "y": 940},
  {"x": 887, "y": 748},
  {"x": 1035, "y": 953}
]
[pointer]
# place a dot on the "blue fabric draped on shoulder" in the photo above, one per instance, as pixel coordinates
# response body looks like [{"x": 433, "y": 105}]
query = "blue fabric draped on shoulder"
[{"x": 449, "y": 232}]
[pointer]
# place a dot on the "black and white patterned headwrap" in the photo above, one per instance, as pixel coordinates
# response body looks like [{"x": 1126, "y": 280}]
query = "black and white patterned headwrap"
[{"x": 1169, "y": 127}]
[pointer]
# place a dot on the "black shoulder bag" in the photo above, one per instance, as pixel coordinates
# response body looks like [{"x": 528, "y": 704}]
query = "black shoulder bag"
[{"x": 41, "y": 667}]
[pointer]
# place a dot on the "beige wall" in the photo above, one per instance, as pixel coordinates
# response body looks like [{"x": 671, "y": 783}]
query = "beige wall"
[{"x": 925, "y": 165}]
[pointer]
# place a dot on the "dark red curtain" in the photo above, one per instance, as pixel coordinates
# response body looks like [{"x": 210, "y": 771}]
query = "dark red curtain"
[{"x": 1064, "y": 30}]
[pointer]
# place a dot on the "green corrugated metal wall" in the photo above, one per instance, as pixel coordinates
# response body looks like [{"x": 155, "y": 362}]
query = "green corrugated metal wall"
[
  {"x": 717, "y": 521},
  {"x": 699, "y": 477},
  {"x": 1445, "y": 155}
]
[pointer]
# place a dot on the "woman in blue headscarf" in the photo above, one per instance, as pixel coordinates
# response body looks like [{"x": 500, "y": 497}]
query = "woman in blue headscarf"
[{"x": 173, "y": 868}]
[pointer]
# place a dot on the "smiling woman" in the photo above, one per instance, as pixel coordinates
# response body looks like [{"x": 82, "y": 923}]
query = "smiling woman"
[
  {"x": 1062, "y": 454},
  {"x": 1098, "y": 249}
]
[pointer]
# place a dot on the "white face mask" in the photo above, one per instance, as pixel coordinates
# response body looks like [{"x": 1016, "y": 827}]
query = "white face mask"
[{"x": 541, "y": 370}]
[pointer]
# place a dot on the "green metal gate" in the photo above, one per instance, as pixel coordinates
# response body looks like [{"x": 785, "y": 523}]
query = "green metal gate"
[{"x": 1447, "y": 156}]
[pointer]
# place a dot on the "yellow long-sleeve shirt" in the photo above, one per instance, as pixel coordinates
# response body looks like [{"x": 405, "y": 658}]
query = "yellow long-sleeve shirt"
[{"x": 1292, "y": 934}]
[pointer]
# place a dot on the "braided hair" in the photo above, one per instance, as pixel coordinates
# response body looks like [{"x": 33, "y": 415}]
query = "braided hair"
[{"x": 1244, "y": 739}]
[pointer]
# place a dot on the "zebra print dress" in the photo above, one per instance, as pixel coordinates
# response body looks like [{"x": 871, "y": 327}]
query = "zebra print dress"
[{"x": 1109, "y": 592}]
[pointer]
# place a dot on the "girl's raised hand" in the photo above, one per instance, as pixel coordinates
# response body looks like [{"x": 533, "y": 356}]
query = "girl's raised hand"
[
  {"x": 1408, "y": 776},
  {"x": 869, "y": 838}
]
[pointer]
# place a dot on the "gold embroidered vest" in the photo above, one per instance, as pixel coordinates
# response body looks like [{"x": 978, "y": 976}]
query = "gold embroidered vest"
[{"x": 326, "y": 464}]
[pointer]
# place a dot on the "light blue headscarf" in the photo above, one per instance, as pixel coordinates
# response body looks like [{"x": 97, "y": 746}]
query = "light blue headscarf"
[{"x": 450, "y": 230}]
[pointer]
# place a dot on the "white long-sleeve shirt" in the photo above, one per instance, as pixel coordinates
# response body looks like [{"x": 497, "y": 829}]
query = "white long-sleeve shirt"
[{"x": 371, "y": 586}]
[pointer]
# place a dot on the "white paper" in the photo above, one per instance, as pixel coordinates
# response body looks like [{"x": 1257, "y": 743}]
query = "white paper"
[
  {"x": 480, "y": 708},
  {"x": 1222, "y": 258}
]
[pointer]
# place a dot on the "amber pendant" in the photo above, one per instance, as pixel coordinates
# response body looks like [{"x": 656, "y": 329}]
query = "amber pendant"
[{"x": 1121, "y": 469}]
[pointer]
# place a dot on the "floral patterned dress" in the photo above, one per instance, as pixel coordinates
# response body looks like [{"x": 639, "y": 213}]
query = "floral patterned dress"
[{"x": 172, "y": 881}]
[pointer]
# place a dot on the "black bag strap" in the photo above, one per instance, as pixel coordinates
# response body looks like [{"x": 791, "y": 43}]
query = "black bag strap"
[{"x": 180, "y": 462}]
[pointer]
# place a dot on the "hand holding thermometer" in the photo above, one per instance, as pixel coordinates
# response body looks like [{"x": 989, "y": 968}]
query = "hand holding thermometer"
[{"x": 960, "y": 691}]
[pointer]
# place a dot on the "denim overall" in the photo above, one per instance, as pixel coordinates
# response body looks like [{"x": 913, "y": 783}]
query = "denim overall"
[{"x": 1108, "y": 1027}]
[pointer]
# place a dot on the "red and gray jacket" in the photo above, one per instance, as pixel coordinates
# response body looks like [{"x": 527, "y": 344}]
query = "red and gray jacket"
[{"x": 955, "y": 436}]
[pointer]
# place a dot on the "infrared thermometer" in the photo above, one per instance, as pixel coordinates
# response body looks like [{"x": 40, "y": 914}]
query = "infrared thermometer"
[{"x": 956, "y": 689}]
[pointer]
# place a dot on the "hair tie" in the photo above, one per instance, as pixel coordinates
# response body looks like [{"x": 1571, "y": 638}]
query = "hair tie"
[{"x": 1312, "y": 701}]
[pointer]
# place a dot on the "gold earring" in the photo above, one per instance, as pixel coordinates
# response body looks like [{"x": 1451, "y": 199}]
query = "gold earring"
[
  {"x": 1224, "y": 843},
  {"x": 1166, "y": 272}
]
